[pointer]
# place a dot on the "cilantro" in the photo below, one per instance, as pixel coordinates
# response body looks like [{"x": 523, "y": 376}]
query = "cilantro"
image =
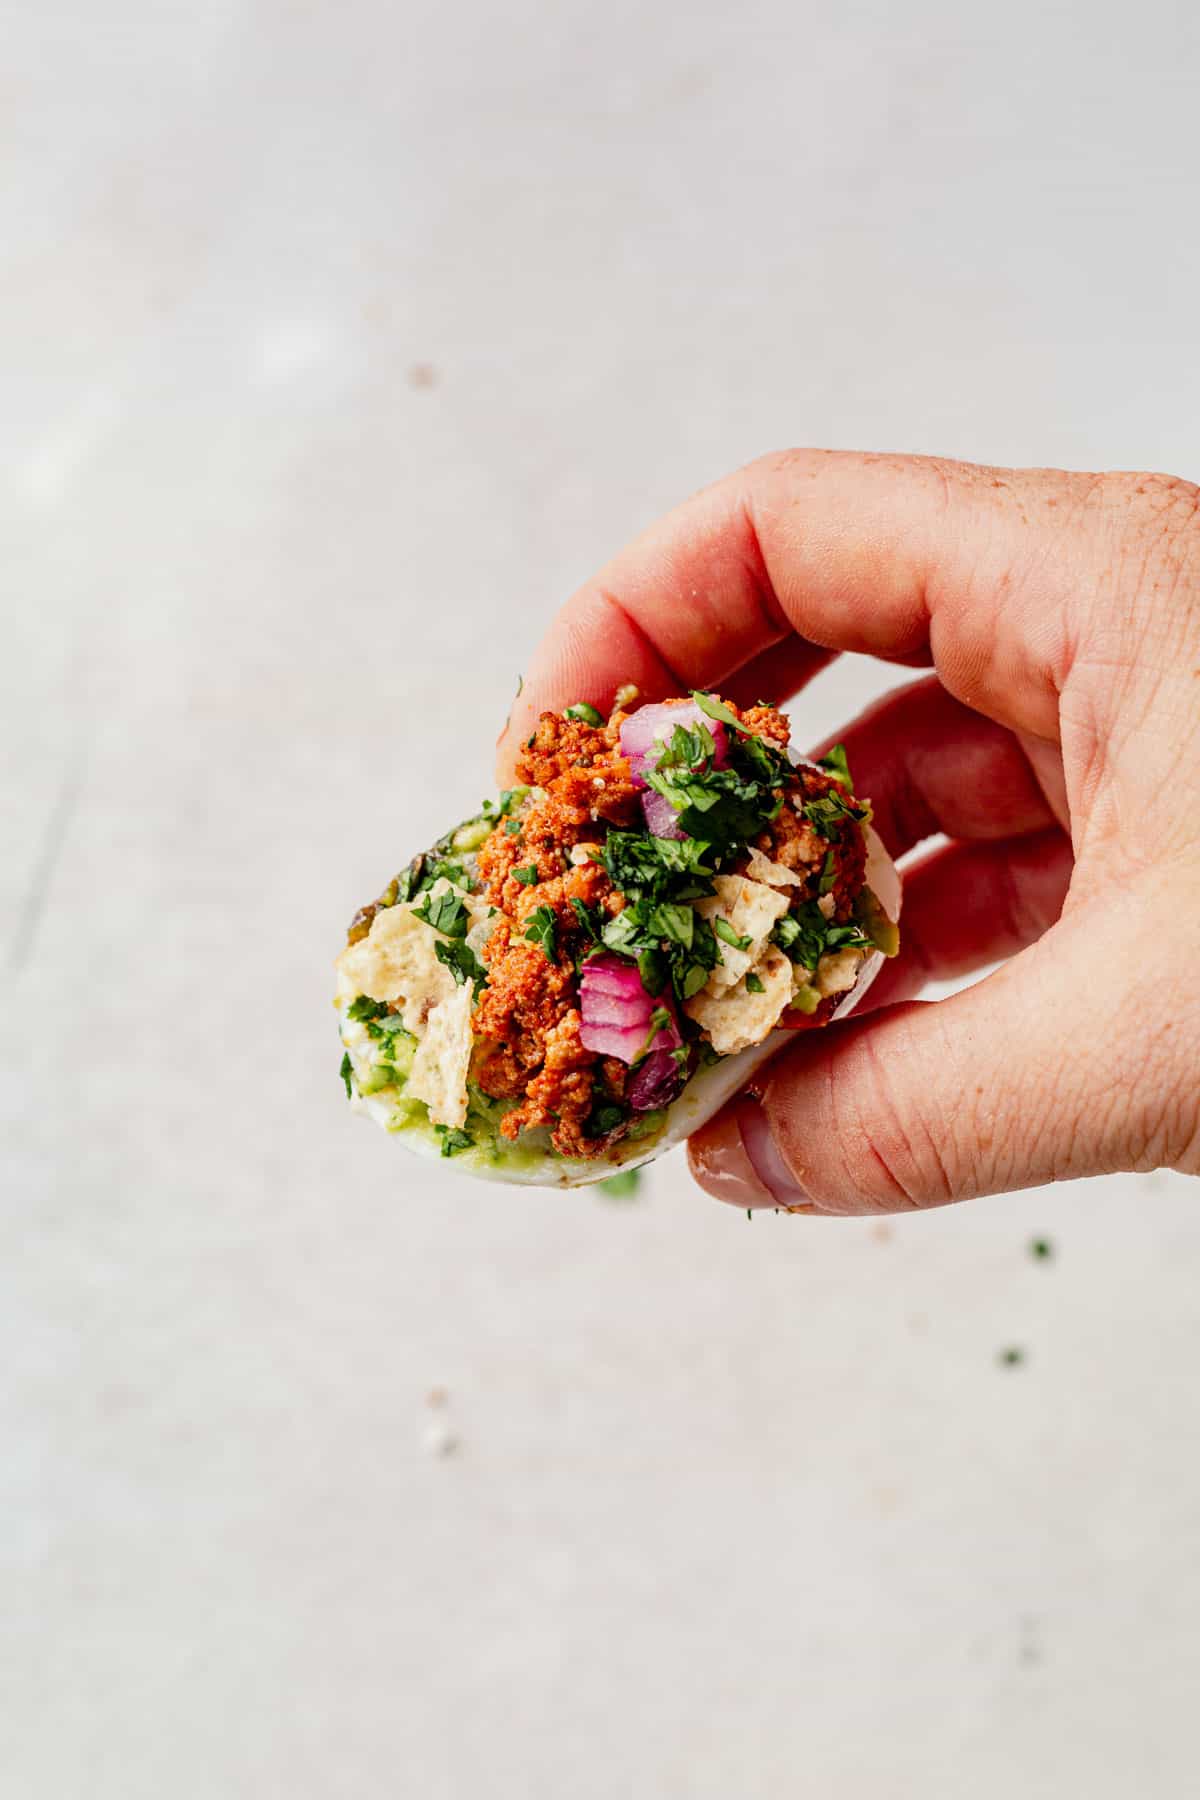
[
  {"x": 365, "y": 1008},
  {"x": 637, "y": 863},
  {"x": 511, "y": 797},
  {"x": 825, "y": 814},
  {"x": 462, "y": 962},
  {"x": 687, "y": 748},
  {"x": 1010, "y": 1357},
  {"x": 529, "y": 877},
  {"x": 540, "y": 928},
  {"x": 695, "y": 977},
  {"x": 452, "y": 1140},
  {"x": 446, "y": 913},
  {"x": 653, "y": 971},
  {"x": 673, "y": 922},
  {"x": 513, "y": 827},
  {"x": 585, "y": 713},
  {"x": 726, "y": 807},
  {"x": 835, "y": 764},
  {"x": 587, "y": 919},
  {"x": 828, "y": 874},
  {"x": 806, "y": 936},
  {"x": 728, "y": 935},
  {"x": 346, "y": 1071},
  {"x": 753, "y": 984},
  {"x": 1041, "y": 1249},
  {"x": 717, "y": 709}
]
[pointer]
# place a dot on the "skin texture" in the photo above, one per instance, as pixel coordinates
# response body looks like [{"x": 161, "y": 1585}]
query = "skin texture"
[{"x": 1057, "y": 747}]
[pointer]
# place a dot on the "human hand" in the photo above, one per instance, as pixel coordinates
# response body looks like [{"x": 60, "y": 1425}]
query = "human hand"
[{"x": 1057, "y": 747}]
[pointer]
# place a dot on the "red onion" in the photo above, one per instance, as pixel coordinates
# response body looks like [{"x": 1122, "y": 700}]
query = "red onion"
[
  {"x": 615, "y": 1012},
  {"x": 644, "y": 735}
]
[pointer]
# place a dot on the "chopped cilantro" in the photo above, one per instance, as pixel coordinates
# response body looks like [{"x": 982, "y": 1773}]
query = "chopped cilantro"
[
  {"x": 540, "y": 928},
  {"x": 461, "y": 961},
  {"x": 452, "y": 1140},
  {"x": 446, "y": 913},
  {"x": 637, "y": 863},
  {"x": 728, "y": 935},
  {"x": 687, "y": 748},
  {"x": 346, "y": 1071},
  {"x": 585, "y": 713},
  {"x": 828, "y": 874},
  {"x": 512, "y": 827},
  {"x": 587, "y": 919},
  {"x": 835, "y": 764},
  {"x": 529, "y": 877},
  {"x": 1011, "y": 1356},
  {"x": 717, "y": 709},
  {"x": 653, "y": 971},
  {"x": 825, "y": 814},
  {"x": 806, "y": 935},
  {"x": 754, "y": 984},
  {"x": 365, "y": 1008},
  {"x": 695, "y": 977},
  {"x": 1041, "y": 1249}
]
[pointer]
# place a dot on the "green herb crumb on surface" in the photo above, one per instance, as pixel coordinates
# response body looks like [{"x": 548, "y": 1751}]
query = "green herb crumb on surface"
[
  {"x": 1041, "y": 1249},
  {"x": 346, "y": 1071},
  {"x": 1011, "y": 1356},
  {"x": 623, "y": 1186}
]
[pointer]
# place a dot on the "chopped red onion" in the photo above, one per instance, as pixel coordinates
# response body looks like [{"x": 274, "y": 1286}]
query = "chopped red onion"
[
  {"x": 616, "y": 1013},
  {"x": 643, "y": 737}
]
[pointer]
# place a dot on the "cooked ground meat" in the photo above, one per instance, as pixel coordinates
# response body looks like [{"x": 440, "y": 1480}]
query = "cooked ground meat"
[
  {"x": 561, "y": 1094},
  {"x": 794, "y": 841}
]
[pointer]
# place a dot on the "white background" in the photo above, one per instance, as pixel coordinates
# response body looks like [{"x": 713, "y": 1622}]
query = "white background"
[{"x": 736, "y": 1509}]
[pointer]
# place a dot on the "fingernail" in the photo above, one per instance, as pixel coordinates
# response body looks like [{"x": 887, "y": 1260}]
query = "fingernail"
[{"x": 735, "y": 1159}]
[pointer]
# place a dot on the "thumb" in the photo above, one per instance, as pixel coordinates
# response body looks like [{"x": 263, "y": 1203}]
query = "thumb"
[{"x": 1043, "y": 1072}]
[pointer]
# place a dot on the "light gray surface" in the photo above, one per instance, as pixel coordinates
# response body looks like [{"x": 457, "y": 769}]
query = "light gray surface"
[{"x": 735, "y": 1509}]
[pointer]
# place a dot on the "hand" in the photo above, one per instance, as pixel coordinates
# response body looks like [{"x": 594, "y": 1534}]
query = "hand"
[{"x": 1057, "y": 747}]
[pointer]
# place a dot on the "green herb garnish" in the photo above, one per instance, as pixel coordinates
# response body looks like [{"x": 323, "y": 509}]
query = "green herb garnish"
[
  {"x": 529, "y": 877},
  {"x": 453, "y": 1140},
  {"x": 462, "y": 962},
  {"x": 346, "y": 1072},
  {"x": 728, "y": 935},
  {"x": 835, "y": 764},
  {"x": 364, "y": 1008},
  {"x": 446, "y": 913},
  {"x": 754, "y": 984},
  {"x": 541, "y": 928},
  {"x": 587, "y": 714},
  {"x": 1041, "y": 1249}
]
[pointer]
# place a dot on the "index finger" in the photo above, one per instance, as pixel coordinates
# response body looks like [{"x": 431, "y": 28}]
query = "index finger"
[{"x": 901, "y": 557}]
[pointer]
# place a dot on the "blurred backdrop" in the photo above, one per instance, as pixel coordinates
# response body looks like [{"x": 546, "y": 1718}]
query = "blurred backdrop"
[{"x": 339, "y": 344}]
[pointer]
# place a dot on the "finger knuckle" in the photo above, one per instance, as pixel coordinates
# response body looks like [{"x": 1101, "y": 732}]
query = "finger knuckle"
[{"x": 888, "y": 1152}]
